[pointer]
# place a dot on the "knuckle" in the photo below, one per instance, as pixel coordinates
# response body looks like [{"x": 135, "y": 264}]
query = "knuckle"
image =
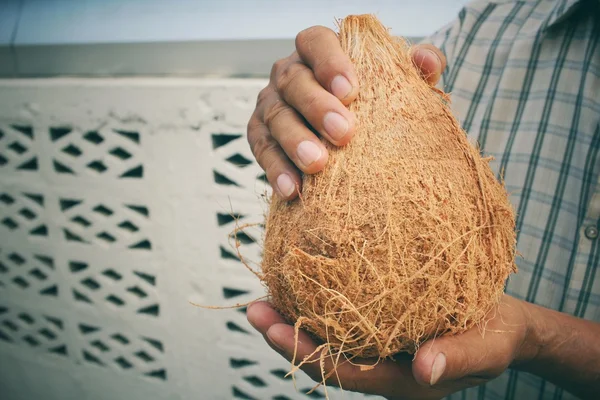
[
  {"x": 270, "y": 167},
  {"x": 310, "y": 101},
  {"x": 332, "y": 379},
  {"x": 263, "y": 95},
  {"x": 262, "y": 147},
  {"x": 314, "y": 373},
  {"x": 351, "y": 385},
  {"x": 276, "y": 112},
  {"x": 252, "y": 129},
  {"x": 354, "y": 380},
  {"x": 468, "y": 362},
  {"x": 330, "y": 64},
  {"x": 289, "y": 75},
  {"x": 305, "y": 37},
  {"x": 277, "y": 66}
]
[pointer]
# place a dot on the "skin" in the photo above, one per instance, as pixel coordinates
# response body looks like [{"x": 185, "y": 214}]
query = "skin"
[
  {"x": 307, "y": 97},
  {"x": 556, "y": 346},
  {"x": 308, "y": 92}
]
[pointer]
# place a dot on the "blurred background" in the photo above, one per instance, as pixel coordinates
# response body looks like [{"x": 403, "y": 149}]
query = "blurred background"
[{"x": 124, "y": 169}]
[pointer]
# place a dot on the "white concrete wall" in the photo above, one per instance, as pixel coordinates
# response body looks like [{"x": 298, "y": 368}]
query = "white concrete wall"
[{"x": 115, "y": 204}]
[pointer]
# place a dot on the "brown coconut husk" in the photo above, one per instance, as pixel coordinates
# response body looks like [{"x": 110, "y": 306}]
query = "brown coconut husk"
[{"x": 406, "y": 234}]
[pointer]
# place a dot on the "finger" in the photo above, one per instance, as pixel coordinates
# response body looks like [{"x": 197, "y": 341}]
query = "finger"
[
  {"x": 305, "y": 350},
  {"x": 469, "y": 355},
  {"x": 320, "y": 49},
  {"x": 448, "y": 359},
  {"x": 430, "y": 61},
  {"x": 262, "y": 316},
  {"x": 281, "y": 173},
  {"x": 387, "y": 378},
  {"x": 282, "y": 64},
  {"x": 297, "y": 85},
  {"x": 289, "y": 130}
]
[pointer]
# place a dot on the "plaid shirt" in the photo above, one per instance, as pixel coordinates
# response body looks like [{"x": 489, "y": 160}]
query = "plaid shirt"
[{"x": 525, "y": 83}]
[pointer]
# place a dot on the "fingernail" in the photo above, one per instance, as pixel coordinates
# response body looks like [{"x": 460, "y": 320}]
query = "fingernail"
[
  {"x": 439, "y": 365},
  {"x": 435, "y": 56},
  {"x": 308, "y": 152},
  {"x": 335, "y": 125},
  {"x": 286, "y": 185},
  {"x": 251, "y": 321},
  {"x": 341, "y": 87},
  {"x": 249, "y": 314},
  {"x": 273, "y": 341}
]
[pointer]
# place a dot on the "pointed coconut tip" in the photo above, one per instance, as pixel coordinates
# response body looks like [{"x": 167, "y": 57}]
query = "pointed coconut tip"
[{"x": 373, "y": 50}]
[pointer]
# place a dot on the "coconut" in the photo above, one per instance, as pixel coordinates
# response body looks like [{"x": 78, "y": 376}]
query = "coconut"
[{"x": 406, "y": 234}]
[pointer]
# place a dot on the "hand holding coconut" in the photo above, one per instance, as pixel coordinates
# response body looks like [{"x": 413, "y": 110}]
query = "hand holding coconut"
[
  {"x": 522, "y": 336},
  {"x": 440, "y": 367},
  {"x": 403, "y": 237},
  {"x": 312, "y": 85}
]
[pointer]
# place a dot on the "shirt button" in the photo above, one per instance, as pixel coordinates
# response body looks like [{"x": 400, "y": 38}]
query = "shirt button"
[{"x": 591, "y": 232}]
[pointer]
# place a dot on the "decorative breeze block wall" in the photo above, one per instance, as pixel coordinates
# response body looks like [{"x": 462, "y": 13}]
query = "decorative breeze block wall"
[{"x": 118, "y": 198}]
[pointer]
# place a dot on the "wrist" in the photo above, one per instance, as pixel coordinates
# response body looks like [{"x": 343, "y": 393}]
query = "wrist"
[
  {"x": 534, "y": 337},
  {"x": 561, "y": 349}
]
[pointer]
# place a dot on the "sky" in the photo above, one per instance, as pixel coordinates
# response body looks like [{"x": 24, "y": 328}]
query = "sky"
[{"x": 108, "y": 21}]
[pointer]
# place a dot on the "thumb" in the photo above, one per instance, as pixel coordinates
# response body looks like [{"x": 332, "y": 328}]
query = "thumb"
[
  {"x": 430, "y": 61},
  {"x": 467, "y": 355}
]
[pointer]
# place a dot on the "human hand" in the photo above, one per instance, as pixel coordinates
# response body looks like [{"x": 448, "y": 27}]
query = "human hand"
[
  {"x": 307, "y": 95},
  {"x": 440, "y": 367}
]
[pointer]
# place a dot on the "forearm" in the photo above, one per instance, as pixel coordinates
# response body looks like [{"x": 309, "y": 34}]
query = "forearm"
[{"x": 564, "y": 350}]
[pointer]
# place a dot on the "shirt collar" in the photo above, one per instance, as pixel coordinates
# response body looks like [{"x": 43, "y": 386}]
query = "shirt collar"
[{"x": 562, "y": 10}]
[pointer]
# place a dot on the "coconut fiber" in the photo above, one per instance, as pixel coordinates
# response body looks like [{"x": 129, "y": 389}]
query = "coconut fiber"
[{"x": 406, "y": 234}]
